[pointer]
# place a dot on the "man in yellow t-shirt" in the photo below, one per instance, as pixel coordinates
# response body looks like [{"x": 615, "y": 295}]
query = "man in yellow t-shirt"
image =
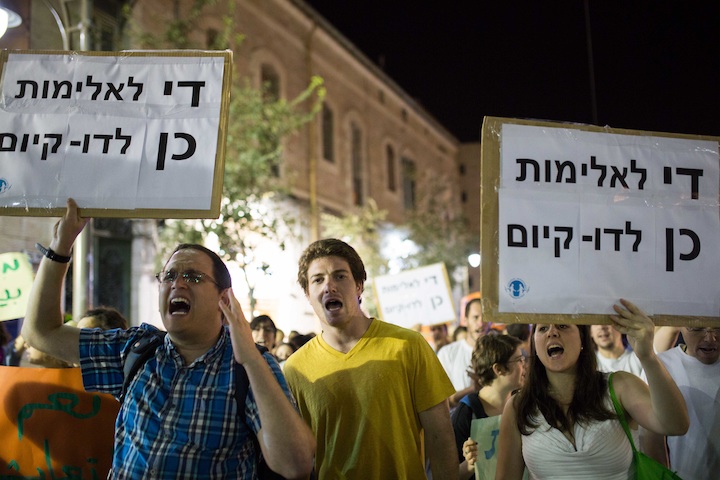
[{"x": 368, "y": 389}]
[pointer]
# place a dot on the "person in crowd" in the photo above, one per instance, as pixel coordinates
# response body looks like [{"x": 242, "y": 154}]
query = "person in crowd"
[
  {"x": 455, "y": 358},
  {"x": 263, "y": 331},
  {"x": 440, "y": 336},
  {"x": 695, "y": 366},
  {"x": 207, "y": 335},
  {"x": 20, "y": 354},
  {"x": 106, "y": 318},
  {"x": 4, "y": 341},
  {"x": 667, "y": 337},
  {"x": 499, "y": 364},
  {"x": 520, "y": 331},
  {"x": 300, "y": 339},
  {"x": 279, "y": 337},
  {"x": 367, "y": 388},
  {"x": 612, "y": 353},
  {"x": 459, "y": 333},
  {"x": 15, "y": 351},
  {"x": 562, "y": 423},
  {"x": 283, "y": 351}
]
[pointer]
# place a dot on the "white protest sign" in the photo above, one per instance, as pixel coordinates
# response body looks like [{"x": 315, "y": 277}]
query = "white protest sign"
[
  {"x": 588, "y": 217},
  {"x": 139, "y": 132},
  {"x": 419, "y": 296}
]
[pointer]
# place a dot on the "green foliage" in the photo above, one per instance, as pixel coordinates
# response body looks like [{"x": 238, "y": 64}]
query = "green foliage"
[
  {"x": 253, "y": 191},
  {"x": 178, "y": 33},
  {"x": 253, "y": 194},
  {"x": 173, "y": 232},
  {"x": 438, "y": 235}
]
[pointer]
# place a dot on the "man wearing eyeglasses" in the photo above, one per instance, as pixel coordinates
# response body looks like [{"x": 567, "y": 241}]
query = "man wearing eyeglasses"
[
  {"x": 179, "y": 418},
  {"x": 695, "y": 368}
]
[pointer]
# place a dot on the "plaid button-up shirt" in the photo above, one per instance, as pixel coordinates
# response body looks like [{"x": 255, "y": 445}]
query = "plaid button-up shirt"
[{"x": 176, "y": 421}]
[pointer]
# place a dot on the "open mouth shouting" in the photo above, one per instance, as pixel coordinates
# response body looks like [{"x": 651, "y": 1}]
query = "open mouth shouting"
[
  {"x": 333, "y": 304},
  {"x": 179, "y": 306},
  {"x": 555, "y": 350}
]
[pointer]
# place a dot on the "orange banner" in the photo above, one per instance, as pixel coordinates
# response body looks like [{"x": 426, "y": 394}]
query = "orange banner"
[{"x": 50, "y": 427}]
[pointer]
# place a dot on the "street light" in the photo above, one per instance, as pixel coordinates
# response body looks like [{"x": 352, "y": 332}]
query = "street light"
[{"x": 8, "y": 19}]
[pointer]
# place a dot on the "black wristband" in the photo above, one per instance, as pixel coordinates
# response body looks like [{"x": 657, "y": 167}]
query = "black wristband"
[{"x": 49, "y": 253}]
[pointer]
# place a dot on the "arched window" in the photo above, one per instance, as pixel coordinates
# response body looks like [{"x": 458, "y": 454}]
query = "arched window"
[
  {"x": 328, "y": 133},
  {"x": 270, "y": 81},
  {"x": 408, "y": 179},
  {"x": 390, "y": 159},
  {"x": 356, "y": 157}
]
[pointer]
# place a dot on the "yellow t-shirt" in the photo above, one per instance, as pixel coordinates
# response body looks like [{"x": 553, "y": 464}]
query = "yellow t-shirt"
[{"x": 363, "y": 405}]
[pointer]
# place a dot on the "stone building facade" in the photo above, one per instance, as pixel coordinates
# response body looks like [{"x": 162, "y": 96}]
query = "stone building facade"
[{"x": 371, "y": 141}]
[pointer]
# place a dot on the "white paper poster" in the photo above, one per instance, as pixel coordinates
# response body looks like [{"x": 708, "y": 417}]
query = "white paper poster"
[
  {"x": 586, "y": 218},
  {"x": 118, "y": 131},
  {"x": 415, "y": 297}
]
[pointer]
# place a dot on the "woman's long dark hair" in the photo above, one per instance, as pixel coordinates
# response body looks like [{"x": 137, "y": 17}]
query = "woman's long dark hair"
[{"x": 589, "y": 396}]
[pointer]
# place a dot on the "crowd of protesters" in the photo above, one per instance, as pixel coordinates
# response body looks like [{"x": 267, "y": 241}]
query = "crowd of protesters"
[{"x": 366, "y": 399}]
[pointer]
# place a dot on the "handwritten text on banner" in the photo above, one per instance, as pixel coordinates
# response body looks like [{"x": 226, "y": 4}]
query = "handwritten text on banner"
[
  {"x": 16, "y": 278},
  {"x": 418, "y": 296}
]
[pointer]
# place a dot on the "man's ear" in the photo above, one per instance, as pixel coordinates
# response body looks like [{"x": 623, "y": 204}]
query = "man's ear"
[
  {"x": 498, "y": 370},
  {"x": 225, "y": 296},
  {"x": 225, "y": 299}
]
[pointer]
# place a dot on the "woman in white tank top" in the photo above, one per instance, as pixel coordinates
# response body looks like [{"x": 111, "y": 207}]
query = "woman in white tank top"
[{"x": 562, "y": 423}]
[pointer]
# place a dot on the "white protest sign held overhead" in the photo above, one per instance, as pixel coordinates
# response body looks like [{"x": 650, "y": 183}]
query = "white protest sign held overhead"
[
  {"x": 587, "y": 217},
  {"x": 418, "y": 296},
  {"x": 138, "y": 133}
]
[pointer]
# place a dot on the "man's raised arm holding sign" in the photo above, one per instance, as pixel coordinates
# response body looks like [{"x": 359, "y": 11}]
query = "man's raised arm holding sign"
[{"x": 189, "y": 386}]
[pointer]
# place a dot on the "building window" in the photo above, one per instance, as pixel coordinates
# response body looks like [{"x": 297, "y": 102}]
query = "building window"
[
  {"x": 462, "y": 169},
  {"x": 390, "y": 158},
  {"x": 328, "y": 133},
  {"x": 357, "y": 164},
  {"x": 270, "y": 84},
  {"x": 212, "y": 37},
  {"x": 270, "y": 81},
  {"x": 408, "y": 179}
]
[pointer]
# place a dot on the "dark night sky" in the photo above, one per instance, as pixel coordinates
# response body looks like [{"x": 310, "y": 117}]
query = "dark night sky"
[{"x": 656, "y": 63}]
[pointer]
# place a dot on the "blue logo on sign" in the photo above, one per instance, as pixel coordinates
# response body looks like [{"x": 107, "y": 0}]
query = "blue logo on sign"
[
  {"x": 516, "y": 288},
  {"x": 4, "y": 186}
]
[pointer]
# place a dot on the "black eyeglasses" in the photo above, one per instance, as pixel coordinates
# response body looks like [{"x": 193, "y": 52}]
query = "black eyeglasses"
[
  {"x": 703, "y": 331},
  {"x": 522, "y": 359},
  {"x": 190, "y": 276}
]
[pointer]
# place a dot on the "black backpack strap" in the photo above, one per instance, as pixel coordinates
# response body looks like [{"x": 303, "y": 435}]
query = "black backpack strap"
[
  {"x": 140, "y": 352},
  {"x": 473, "y": 401},
  {"x": 242, "y": 384}
]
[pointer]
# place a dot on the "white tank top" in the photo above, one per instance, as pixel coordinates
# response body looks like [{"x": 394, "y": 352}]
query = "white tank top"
[{"x": 603, "y": 452}]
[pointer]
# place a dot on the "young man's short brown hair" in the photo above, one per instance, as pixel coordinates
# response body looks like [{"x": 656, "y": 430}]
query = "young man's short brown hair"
[{"x": 330, "y": 247}]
